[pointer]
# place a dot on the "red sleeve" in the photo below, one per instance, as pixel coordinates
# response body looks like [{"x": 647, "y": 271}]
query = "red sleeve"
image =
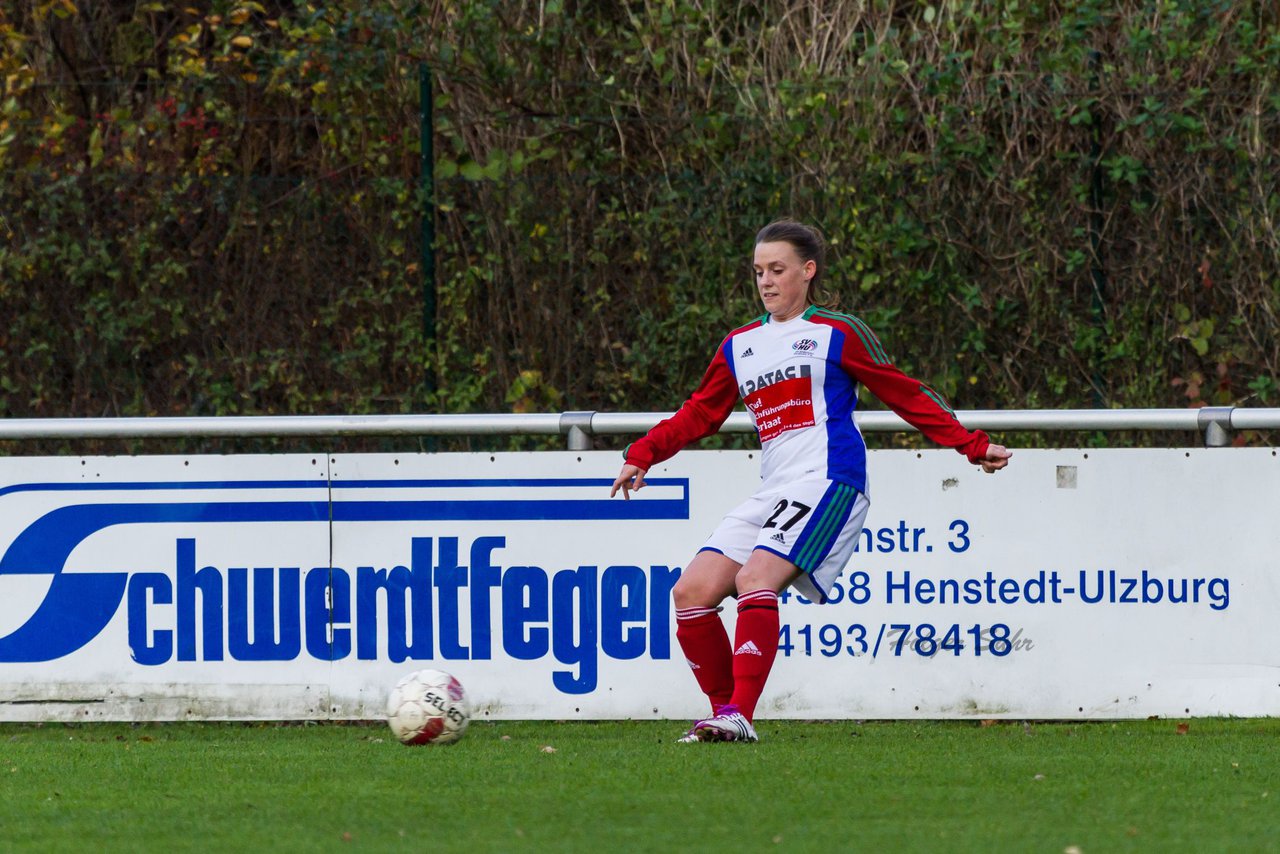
[
  {"x": 864, "y": 358},
  {"x": 699, "y": 417}
]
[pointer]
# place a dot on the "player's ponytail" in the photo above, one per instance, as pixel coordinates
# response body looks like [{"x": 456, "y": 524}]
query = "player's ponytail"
[{"x": 810, "y": 246}]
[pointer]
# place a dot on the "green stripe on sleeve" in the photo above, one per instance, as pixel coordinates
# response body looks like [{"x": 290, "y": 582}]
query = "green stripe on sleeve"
[
  {"x": 937, "y": 398},
  {"x": 869, "y": 340},
  {"x": 876, "y": 348}
]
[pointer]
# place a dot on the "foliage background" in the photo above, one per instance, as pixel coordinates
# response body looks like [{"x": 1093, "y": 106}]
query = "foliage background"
[{"x": 217, "y": 207}]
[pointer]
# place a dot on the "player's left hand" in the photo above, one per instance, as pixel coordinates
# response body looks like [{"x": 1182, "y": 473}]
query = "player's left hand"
[{"x": 997, "y": 458}]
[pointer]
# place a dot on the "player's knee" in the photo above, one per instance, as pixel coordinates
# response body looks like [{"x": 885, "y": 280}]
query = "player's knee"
[
  {"x": 684, "y": 592},
  {"x": 748, "y": 579},
  {"x": 762, "y": 575},
  {"x": 691, "y": 591}
]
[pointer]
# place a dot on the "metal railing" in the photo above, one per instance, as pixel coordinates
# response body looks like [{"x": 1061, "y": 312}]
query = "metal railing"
[{"x": 1215, "y": 424}]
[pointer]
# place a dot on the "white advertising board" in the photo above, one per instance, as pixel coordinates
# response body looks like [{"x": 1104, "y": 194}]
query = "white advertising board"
[{"x": 1075, "y": 584}]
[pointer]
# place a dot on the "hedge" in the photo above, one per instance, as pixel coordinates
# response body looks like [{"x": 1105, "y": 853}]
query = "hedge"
[{"x": 219, "y": 208}]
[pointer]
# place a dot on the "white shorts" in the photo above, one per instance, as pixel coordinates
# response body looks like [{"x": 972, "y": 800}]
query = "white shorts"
[{"x": 812, "y": 523}]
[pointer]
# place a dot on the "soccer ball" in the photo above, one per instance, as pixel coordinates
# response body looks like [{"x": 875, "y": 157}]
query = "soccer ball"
[{"x": 428, "y": 707}]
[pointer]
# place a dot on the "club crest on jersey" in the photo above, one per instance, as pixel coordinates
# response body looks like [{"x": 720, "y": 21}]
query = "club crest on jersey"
[
  {"x": 790, "y": 372},
  {"x": 805, "y": 345}
]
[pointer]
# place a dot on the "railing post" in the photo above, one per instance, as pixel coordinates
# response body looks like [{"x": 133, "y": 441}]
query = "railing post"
[
  {"x": 577, "y": 426},
  {"x": 1215, "y": 423}
]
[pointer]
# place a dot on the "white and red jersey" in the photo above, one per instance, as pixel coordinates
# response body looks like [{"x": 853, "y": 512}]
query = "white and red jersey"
[{"x": 799, "y": 381}]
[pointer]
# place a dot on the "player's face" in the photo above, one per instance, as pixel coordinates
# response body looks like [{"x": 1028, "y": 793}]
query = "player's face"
[{"x": 782, "y": 279}]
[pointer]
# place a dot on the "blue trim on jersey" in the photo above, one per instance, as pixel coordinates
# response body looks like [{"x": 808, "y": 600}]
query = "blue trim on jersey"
[
  {"x": 826, "y": 523},
  {"x": 846, "y": 450},
  {"x": 727, "y": 349}
]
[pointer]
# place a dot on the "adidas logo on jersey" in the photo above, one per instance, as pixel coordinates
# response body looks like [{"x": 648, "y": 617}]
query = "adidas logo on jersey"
[
  {"x": 778, "y": 538},
  {"x": 747, "y": 352},
  {"x": 749, "y": 648}
]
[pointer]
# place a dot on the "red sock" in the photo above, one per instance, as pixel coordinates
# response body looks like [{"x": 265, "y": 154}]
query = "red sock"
[
  {"x": 756, "y": 646},
  {"x": 701, "y": 634}
]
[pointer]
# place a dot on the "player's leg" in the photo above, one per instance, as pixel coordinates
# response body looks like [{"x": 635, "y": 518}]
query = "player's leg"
[
  {"x": 806, "y": 541},
  {"x": 762, "y": 577},
  {"x": 709, "y": 579},
  {"x": 706, "y": 582}
]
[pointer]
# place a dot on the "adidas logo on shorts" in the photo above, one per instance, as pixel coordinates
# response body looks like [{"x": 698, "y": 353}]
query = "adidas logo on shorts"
[
  {"x": 778, "y": 538},
  {"x": 749, "y": 648}
]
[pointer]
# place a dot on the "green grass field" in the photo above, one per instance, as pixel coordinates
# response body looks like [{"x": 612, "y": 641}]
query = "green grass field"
[{"x": 624, "y": 786}]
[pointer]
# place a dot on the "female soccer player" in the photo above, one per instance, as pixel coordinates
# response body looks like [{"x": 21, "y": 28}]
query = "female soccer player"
[{"x": 797, "y": 369}]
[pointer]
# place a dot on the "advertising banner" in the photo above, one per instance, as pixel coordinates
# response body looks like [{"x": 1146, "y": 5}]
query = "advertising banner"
[{"x": 1074, "y": 584}]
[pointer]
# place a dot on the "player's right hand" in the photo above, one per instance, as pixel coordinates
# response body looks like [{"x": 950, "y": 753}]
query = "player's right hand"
[{"x": 631, "y": 477}]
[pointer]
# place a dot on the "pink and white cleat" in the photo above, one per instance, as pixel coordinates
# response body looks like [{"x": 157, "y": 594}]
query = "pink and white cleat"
[{"x": 728, "y": 724}]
